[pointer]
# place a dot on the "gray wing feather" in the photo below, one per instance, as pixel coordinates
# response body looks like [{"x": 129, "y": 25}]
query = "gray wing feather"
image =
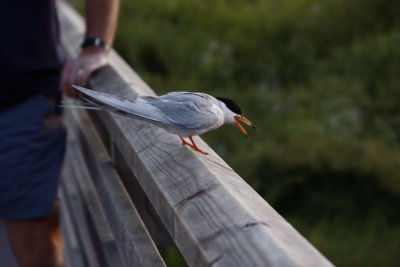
[
  {"x": 78, "y": 104},
  {"x": 139, "y": 107},
  {"x": 187, "y": 114},
  {"x": 187, "y": 96},
  {"x": 177, "y": 108}
]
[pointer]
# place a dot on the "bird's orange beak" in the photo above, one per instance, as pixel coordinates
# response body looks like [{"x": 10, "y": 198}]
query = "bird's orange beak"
[{"x": 240, "y": 127}]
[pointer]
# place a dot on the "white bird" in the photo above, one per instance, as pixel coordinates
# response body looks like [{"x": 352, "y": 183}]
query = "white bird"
[{"x": 185, "y": 114}]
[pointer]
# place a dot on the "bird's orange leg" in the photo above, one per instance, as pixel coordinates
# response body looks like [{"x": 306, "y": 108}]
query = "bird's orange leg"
[
  {"x": 195, "y": 147},
  {"x": 192, "y": 145},
  {"x": 184, "y": 142}
]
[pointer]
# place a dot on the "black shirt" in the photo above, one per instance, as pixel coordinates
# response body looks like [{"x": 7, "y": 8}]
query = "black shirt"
[{"x": 30, "y": 52}]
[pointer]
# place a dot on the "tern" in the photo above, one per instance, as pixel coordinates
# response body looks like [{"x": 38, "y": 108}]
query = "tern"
[{"x": 185, "y": 114}]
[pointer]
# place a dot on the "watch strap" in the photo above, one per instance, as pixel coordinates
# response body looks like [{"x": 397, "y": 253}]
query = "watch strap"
[{"x": 94, "y": 42}]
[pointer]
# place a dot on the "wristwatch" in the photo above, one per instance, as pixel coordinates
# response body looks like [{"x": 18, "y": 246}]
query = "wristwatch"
[{"x": 94, "y": 42}]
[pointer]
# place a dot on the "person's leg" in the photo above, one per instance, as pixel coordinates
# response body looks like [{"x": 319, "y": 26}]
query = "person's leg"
[
  {"x": 31, "y": 152},
  {"x": 36, "y": 242}
]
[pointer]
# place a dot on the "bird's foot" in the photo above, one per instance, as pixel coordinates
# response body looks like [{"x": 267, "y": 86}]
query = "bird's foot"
[
  {"x": 192, "y": 145},
  {"x": 186, "y": 143},
  {"x": 199, "y": 150}
]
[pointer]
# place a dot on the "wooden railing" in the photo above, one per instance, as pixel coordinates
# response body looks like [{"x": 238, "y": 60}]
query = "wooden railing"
[{"x": 126, "y": 183}]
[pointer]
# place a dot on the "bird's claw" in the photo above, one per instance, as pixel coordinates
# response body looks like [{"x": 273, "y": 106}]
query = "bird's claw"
[
  {"x": 199, "y": 150},
  {"x": 193, "y": 145}
]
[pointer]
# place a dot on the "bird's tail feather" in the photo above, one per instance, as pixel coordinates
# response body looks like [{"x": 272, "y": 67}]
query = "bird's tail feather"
[
  {"x": 90, "y": 106},
  {"x": 123, "y": 106},
  {"x": 78, "y": 104}
]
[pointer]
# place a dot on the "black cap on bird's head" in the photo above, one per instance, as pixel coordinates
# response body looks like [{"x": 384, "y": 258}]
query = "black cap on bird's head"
[{"x": 230, "y": 104}]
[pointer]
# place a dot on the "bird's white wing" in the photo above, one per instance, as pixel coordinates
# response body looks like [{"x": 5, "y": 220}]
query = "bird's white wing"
[
  {"x": 140, "y": 107},
  {"x": 193, "y": 115},
  {"x": 194, "y": 110}
]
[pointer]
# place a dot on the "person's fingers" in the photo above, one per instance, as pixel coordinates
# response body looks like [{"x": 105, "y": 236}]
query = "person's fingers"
[
  {"x": 80, "y": 77},
  {"x": 63, "y": 76},
  {"x": 83, "y": 73},
  {"x": 79, "y": 70},
  {"x": 72, "y": 74},
  {"x": 68, "y": 86},
  {"x": 65, "y": 79}
]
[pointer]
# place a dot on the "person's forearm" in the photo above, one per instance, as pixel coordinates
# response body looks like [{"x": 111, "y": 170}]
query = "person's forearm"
[
  {"x": 101, "y": 22},
  {"x": 101, "y": 19}
]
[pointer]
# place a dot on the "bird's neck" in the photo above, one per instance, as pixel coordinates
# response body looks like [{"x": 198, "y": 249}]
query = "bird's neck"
[{"x": 227, "y": 114}]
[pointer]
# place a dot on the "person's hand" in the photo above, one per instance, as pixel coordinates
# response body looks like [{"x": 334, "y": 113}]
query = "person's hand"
[{"x": 77, "y": 71}]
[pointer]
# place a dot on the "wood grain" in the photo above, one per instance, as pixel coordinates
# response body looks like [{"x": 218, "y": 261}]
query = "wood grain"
[
  {"x": 75, "y": 205},
  {"x": 73, "y": 251},
  {"x": 132, "y": 239},
  {"x": 101, "y": 234}
]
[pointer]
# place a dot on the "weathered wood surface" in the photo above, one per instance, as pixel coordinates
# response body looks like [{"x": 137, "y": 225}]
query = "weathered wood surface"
[
  {"x": 133, "y": 242},
  {"x": 214, "y": 217},
  {"x": 72, "y": 247},
  {"x": 76, "y": 206},
  {"x": 87, "y": 209}
]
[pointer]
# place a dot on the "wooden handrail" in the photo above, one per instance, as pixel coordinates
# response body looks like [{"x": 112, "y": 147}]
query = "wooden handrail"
[{"x": 212, "y": 215}]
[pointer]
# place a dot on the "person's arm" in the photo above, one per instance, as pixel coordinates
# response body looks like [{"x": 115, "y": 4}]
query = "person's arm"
[{"x": 101, "y": 21}]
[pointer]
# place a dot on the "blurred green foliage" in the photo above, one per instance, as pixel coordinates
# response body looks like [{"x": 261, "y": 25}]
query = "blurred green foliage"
[{"x": 321, "y": 79}]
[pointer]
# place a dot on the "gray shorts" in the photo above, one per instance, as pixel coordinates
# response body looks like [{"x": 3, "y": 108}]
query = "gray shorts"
[{"x": 32, "y": 145}]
